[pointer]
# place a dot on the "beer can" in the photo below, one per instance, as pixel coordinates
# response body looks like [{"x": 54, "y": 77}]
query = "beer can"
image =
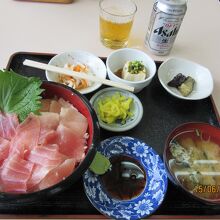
[{"x": 165, "y": 22}]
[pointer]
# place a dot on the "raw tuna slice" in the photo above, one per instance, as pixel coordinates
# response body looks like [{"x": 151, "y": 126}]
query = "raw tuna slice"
[
  {"x": 15, "y": 173},
  {"x": 1, "y": 183},
  {"x": 66, "y": 104},
  {"x": 70, "y": 144},
  {"x": 38, "y": 174},
  {"x": 49, "y": 137},
  {"x": 17, "y": 164},
  {"x": 49, "y": 120},
  {"x": 48, "y": 124},
  {"x": 4, "y": 149},
  {"x": 45, "y": 105},
  {"x": 14, "y": 187},
  {"x": 58, "y": 174},
  {"x": 46, "y": 155},
  {"x": 74, "y": 120},
  {"x": 55, "y": 106},
  {"x": 27, "y": 136},
  {"x": 8, "y": 124}
]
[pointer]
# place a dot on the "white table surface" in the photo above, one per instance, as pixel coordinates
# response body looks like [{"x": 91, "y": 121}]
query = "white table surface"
[{"x": 55, "y": 28}]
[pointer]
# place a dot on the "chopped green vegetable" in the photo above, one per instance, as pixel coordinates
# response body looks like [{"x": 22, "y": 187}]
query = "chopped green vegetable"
[
  {"x": 100, "y": 164},
  {"x": 134, "y": 67},
  {"x": 116, "y": 107},
  {"x": 19, "y": 94}
]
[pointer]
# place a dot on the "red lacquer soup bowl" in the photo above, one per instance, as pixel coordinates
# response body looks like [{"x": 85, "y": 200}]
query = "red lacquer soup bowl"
[
  {"x": 52, "y": 90},
  {"x": 192, "y": 159}
]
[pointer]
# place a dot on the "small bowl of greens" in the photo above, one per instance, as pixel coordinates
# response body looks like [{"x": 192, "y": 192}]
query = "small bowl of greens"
[{"x": 117, "y": 110}]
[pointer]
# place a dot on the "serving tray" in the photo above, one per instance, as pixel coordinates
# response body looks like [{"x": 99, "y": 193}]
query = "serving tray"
[{"x": 162, "y": 113}]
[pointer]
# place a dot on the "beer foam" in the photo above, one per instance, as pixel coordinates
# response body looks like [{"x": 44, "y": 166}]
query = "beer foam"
[
  {"x": 116, "y": 15},
  {"x": 118, "y": 11},
  {"x": 120, "y": 20}
]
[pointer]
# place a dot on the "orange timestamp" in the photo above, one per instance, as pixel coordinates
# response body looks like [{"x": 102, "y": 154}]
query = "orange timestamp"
[{"x": 207, "y": 189}]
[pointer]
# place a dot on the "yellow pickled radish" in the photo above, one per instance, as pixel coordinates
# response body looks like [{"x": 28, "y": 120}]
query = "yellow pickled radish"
[{"x": 114, "y": 108}]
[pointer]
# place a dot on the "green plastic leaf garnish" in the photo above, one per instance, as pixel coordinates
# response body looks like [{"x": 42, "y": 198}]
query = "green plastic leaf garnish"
[
  {"x": 100, "y": 164},
  {"x": 19, "y": 94}
]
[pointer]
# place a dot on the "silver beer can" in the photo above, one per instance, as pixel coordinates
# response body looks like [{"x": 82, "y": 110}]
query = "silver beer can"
[{"x": 165, "y": 21}]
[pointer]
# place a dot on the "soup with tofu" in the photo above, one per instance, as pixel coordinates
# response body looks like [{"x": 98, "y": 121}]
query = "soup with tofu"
[
  {"x": 194, "y": 160},
  {"x": 133, "y": 71}
]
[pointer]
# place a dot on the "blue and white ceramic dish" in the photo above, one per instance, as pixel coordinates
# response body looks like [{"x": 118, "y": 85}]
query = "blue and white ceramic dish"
[{"x": 155, "y": 188}]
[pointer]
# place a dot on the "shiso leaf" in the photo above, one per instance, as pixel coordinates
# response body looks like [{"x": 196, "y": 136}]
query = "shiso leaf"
[
  {"x": 19, "y": 94},
  {"x": 100, "y": 164}
]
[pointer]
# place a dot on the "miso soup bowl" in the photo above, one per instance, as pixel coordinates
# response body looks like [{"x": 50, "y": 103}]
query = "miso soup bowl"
[
  {"x": 52, "y": 89},
  {"x": 117, "y": 59},
  {"x": 207, "y": 132}
]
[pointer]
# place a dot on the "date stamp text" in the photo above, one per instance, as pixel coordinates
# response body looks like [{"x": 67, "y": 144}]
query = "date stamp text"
[{"x": 207, "y": 189}]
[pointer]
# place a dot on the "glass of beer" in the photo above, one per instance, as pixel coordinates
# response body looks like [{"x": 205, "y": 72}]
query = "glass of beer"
[{"x": 116, "y": 19}]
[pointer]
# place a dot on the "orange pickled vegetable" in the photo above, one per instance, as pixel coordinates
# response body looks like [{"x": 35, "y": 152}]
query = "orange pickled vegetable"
[{"x": 77, "y": 84}]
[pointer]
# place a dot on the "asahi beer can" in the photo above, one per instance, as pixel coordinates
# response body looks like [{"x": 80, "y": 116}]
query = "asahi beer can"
[{"x": 165, "y": 21}]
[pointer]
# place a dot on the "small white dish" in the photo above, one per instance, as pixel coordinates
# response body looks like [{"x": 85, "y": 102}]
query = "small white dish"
[
  {"x": 203, "y": 79},
  {"x": 117, "y": 59},
  {"x": 95, "y": 64},
  {"x": 136, "y": 109}
]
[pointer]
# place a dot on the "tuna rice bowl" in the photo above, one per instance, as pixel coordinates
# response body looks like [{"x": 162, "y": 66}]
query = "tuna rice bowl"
[{"x": 49, "y": 147}]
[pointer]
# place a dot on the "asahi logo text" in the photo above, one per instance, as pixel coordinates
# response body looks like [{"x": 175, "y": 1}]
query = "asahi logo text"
[{"x": 163, "y": 32}]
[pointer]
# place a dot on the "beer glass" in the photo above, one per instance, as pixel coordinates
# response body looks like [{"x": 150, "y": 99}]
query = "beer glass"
[{"x": 116, "y": 19}]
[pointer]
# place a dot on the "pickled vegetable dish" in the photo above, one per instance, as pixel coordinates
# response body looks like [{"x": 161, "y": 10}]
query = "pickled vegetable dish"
[
  {"x": 72, "y": 82},
  {"x": 184, "y": 84},
  {"x": 115, "y": 108}
]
